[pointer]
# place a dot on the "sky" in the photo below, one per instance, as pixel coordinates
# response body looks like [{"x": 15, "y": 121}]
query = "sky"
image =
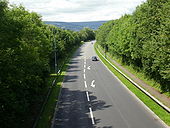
[{"x": 79, "y": 10}]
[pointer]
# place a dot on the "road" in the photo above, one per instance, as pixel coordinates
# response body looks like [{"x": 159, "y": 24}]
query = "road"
[{"x": 92, "y": 97}]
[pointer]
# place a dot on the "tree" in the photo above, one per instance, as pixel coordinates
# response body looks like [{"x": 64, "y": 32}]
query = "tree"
[{"x": 142, "y": 40}]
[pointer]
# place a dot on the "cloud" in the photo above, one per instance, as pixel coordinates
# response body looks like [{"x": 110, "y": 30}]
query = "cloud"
[{"x": 79, "y": 10}]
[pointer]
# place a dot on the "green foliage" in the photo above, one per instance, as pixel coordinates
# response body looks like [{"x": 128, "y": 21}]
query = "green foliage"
[
  {"x": 158, "y": 110},
  {"x": 103, "y": 31},
  {"x": 142, "y": 40},
  {"x": 26, "y": 56},
  {"x": 23, "y": 64},
  {"x": 87, "y": 34}
]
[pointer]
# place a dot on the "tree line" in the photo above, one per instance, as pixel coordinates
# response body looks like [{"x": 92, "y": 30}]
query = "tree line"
[
  {"x": 142, "y": 40},
  {"x": 26, "y": 57}
]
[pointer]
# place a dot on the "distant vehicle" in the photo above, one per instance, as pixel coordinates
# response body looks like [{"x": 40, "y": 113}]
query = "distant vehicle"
[{"x": 94, "y": 58}]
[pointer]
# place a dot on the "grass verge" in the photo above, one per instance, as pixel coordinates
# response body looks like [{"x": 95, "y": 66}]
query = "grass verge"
[
  {"x": 47, "y": 114},
  {"x": 140, "y": 75},
  {"x": 159, "y": 111}
]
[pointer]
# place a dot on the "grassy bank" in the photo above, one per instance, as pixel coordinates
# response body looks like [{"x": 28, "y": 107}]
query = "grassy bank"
[
  {"x": 140, "y": 75},
  {"x": 159, "y": 111},
  {"x": 47, "y": 115}
]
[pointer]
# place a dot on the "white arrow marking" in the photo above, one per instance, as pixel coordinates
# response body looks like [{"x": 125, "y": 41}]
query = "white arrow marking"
[
  {"x": 92, "y": 83},
  {"x": 88, "y": 68}
]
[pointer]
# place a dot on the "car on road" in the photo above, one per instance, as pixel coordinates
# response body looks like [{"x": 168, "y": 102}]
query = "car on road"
[{"x": 94, "y": 58}]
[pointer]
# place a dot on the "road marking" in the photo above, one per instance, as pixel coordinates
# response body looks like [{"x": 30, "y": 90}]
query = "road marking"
[
  {"x": 88, "y": 68},
  {"x": 87, "y": 93},
  {"x": 84, "y": 62},
  {"x": 84, "y": 76},
  {"x": 84, "y": 66},
  {"x": 85, "y": 84},
  {"x": 91, "y": 114},
  {"x": 92, "y": 84}
]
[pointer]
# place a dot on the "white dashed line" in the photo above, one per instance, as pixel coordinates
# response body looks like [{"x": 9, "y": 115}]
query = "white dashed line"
[
  {"x": 87, "y": 93},
  {"x": 85, "y": 60},
  {"x": 84, "y": 76},
  {"x": 88, "y": 99},
  {"x": 85, "y": 84},
  {"x": 91, "y": 114}
]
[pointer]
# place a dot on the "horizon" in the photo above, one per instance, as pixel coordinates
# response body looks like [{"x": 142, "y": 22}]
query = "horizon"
[{"x": 77, "y": 21}]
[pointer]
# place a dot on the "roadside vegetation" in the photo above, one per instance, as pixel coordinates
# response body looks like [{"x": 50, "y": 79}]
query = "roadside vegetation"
[
  {"x": 27, "y": 47},
  {"x": 142, "y": 40},
  {"x": 47, "y": 114},
  {"x": 159, "y": 111}
]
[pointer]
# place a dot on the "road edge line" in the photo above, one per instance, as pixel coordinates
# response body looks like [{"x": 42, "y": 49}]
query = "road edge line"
[
  {"x": 146, "y": 107},
  {"x": 147, "y": 93}
]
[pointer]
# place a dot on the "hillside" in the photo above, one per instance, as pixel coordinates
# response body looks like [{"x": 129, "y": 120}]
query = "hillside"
[{"x": 76, "y": 26}]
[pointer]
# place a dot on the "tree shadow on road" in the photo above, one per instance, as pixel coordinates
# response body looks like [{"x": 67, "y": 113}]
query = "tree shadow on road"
[
  {"x": 70, "y": 78},
  {"x": 73, "y": 110}
]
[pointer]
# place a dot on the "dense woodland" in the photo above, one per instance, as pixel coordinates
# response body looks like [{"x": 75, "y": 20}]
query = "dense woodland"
[
  {"x": 142, "y": 40},
  {"x": 26, "y": 57},
  {"x": 77, "y": 26}
]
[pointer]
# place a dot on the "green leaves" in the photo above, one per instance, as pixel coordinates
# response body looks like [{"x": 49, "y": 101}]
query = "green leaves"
[
  {"x": 142, "y": 40},
  {"x": 87, "y": 34},
  {"x": 24, "y": 64},
  {"x": 26, "y": 57}
]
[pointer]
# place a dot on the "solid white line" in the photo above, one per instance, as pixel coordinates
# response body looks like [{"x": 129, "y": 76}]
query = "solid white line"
[
  {"x": 146, "y": 107},
  {"x": 139, "y": 87},
  {"x": 85, "y": 84},
  {"x": 91, "y": 114},
  {"x": 87, "y": 93},
  {"x": 84, "y": 76}
]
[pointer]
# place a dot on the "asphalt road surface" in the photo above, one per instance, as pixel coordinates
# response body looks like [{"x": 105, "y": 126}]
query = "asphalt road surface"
[{"x": 92, "y": 97}]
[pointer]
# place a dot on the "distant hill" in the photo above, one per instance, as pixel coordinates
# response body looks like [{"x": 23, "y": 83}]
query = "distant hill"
[{"x": 76, "y": 26}]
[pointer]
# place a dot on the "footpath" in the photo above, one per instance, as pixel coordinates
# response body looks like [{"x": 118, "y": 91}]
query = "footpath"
[{"x": 154, "y": 92}]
